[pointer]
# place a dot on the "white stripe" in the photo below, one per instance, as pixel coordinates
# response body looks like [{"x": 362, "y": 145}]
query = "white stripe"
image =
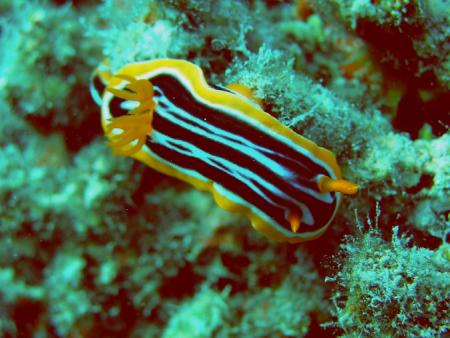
[
  {"x": 236, "y": 113},
  {"x": 242, "y": 174},
  {"x": 96, "y": 96},
  {"x": 236, "y": 142}
]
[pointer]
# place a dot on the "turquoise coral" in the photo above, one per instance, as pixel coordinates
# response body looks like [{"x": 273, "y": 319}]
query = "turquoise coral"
[{"x": 88, "y": 239}]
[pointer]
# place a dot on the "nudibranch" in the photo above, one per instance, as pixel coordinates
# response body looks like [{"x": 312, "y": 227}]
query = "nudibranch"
[{"x": 163, "y": 112}]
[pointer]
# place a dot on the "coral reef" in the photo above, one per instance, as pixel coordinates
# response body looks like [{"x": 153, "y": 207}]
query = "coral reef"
[
  {"x": 388, "y": 288},
  {"x": 93, "y": 244}
]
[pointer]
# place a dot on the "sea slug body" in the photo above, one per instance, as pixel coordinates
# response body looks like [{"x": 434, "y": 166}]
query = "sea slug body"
[{"x": 164, "y": 113}]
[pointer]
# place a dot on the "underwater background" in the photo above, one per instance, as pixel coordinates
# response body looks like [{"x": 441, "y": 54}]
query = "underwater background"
[{"x": 97, "y": 245}]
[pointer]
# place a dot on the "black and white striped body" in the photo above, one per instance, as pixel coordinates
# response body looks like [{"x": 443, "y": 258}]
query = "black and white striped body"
[{"x": 248, "y": 163}]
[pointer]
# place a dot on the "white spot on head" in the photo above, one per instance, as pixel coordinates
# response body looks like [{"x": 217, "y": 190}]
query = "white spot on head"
[
  {"x": 129, "y": 105},
  {"x": 117, "y": 131}
]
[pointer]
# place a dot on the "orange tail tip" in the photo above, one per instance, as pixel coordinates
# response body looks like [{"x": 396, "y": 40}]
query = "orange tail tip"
[
  {"x": 295, "y": 221},
  {"x": 327, "y": 184}
]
